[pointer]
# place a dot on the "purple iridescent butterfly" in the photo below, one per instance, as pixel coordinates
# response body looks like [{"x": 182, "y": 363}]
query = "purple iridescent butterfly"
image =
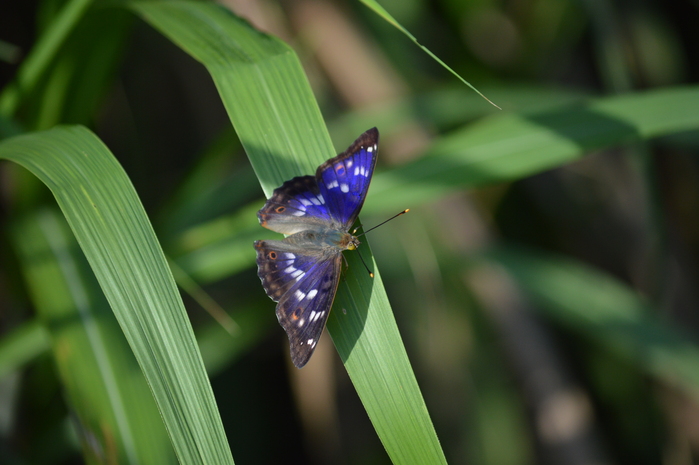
[{"x": 301, "y": 272}]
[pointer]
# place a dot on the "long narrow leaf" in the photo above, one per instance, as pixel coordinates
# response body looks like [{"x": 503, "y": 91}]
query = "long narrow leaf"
[
  {"x": 108, "y": 220},
  {"x": 381, "y": 11},
  {"x": 42, "y": 54},
  {"x": 600, "y": 307},
  {"x": 515, "y": 146},
  {"x": 273, "y": 110},
  {"x": 116, "y": 417},
  {"x": 22, "y": 345}
]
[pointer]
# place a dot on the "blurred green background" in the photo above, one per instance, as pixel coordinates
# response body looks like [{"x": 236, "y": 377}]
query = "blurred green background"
[{"x": 544, "y": 282}]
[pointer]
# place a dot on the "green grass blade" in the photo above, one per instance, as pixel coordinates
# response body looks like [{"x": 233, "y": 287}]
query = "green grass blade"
[
  {"x": 273, "y": 110},
  {"x": 22, "y": 345},
  {"x": 379, "y": 10},
  {"x": 109, "y": 222},
  {"x": 221, "y": 247},
  {"x": 515, "y": 146},
  {"x": 104, "y": 387},
  {"x": 600, "y": 307},
  {"x": 43, "y": 52},
  {"x": 452, "y": 107},
  {"x": 250, "y": 69},
  {"x": 68, "y": 94}
]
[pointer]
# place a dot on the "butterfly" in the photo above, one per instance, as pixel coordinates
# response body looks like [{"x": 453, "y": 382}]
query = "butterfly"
[{"x": 302, "y": 271}]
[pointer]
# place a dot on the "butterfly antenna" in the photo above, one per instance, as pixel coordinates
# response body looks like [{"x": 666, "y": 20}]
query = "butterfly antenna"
[
  {"x": 371, "y": 275},
  {"x": 371, "y": 229},
  {"x": 382, "y": 223}
]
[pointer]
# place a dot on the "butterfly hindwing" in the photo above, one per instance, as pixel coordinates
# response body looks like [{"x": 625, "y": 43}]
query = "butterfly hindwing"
[
  {"x": 281, "y": 265},
  {"x": 305, "y": 286},
  {"x": 304, "y": 310},
  {"x": 343, "y": 181},
  {"x": 297, "y": 205}
]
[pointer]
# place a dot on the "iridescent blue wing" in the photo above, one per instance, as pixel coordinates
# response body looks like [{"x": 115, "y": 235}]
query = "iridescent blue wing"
[
  {"x": 304, "y": 284},
  {"x": 343, "y": 181},
  {"x": 296, "y": 206}
]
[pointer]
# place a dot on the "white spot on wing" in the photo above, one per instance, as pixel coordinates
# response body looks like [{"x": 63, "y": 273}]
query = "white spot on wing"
[
  {"x": 299, "y": 277},
  {"x": 300, "y": 295},
  {"x": 305, "y": 202},
  {"x": 310, "y": 341},
  {"x": 299, "y": 213},
  {"x": 316, "y": 201},
  {"x": 333, "y": 184},
  {"x": 312, "y": 294},
  {"x": 344, "y": 187},
  {"x": 313, "y": 316},
  {"x": 349, "y": 163},
  {"x": 291, "y": 269},
  {"x": 297, "y": 273},
  {"x": 301, "y": 322},
  {"x": 321, "y": 199},
  {"x": 361, "y": 170},
  {"x": 289, "y": 255},
  {"x": 370, "y": 149}
]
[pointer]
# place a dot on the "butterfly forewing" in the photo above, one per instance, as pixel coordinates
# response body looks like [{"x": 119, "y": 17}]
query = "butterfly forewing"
[
  {"x": 305, "y": 286},
  {"x": 295, "y": 206},
  {"x": 344, "y": 180}
]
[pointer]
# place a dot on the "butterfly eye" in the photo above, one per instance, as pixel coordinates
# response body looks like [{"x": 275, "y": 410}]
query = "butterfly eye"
[
  {"x": 340, "y": 170},
  {"x": 280, "y": 209},
  {"x": 297, "y": 313},
  {"x": 272, "y": 255}
]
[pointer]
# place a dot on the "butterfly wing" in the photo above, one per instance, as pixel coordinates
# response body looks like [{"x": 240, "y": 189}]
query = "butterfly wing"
[
  {"x": 343, "y": 181},
  {"x": 304, "y": 285},
  {"x": 295, "y": 206},
  {"x": 331, "y": 199},
  {"x": 303, "y": 278}
]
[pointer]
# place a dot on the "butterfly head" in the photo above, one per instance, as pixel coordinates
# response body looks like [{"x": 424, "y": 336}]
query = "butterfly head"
[
  {"x": 353, "y": 243},
  {"x": 348, "y": 242}
]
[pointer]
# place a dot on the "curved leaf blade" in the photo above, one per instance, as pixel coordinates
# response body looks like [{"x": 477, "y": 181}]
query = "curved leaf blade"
[
  {"x": 108, "y": 220},
  {"x": 272, "y": 108},
  {"x": 113, "y": 409}
]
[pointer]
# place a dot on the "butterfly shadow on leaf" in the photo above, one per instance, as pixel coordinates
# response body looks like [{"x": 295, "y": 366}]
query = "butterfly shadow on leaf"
[{"x": 351, "y": 309}]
